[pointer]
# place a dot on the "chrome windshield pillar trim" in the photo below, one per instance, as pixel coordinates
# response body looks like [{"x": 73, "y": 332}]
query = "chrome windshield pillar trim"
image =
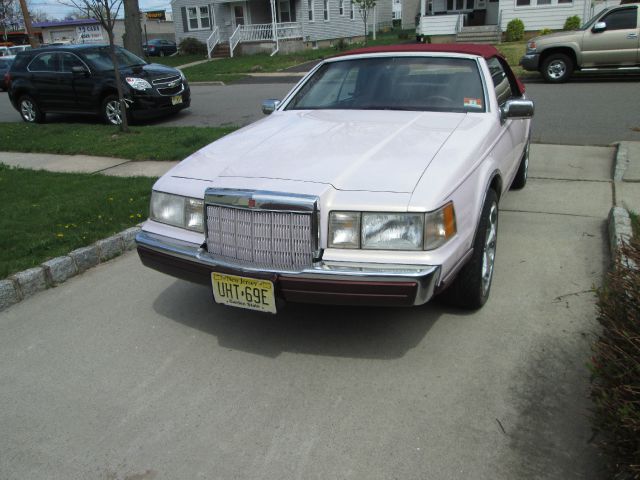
[{"x": 426, "y": 276}]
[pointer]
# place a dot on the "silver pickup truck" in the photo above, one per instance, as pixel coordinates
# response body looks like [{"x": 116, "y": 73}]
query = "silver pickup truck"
[{"x": 610, "y": 41}]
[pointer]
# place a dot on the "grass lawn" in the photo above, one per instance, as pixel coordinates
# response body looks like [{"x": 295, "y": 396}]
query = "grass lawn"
[
  {"x": 45, "y": 214},
  {"x": 263, "y": 62},
  {"x": 143, "y": 143},
  {"x": 513, "y": 52},
  {"x": 176, "y": 60}
]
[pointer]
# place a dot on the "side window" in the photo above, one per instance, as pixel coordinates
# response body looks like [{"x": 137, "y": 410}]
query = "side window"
[
  {"x": 45, "y": 62},
  {"x": 621, "y": 19},
  {"x": 500, "y": 81},
  {"x": 68, "y": 61}
]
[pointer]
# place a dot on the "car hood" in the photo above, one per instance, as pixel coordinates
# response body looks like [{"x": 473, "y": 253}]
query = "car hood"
[
  {"x": 151, "y": 70},
  {"x": 552, "y": 37},
  {"x": 384, "y": 151}
]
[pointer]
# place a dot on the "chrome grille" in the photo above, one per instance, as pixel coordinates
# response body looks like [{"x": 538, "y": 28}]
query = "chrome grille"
[
  {"x": 165, "y": 80},
  {"x": 265, "y": 238},
  {"x": 171, "y": 91}
]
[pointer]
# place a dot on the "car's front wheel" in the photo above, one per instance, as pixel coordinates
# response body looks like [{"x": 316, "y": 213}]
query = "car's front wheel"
[
  {"x": 111, "y": 111},
  {"x": 557, "y": 68},
  {"x": 470, "y": 289},
  {"x": 29, "y": 110}
]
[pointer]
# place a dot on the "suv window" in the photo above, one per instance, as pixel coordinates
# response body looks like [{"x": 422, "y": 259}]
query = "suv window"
[
  {"x": 622, "y": 19},
  {"x": 45, "y": 62},
  {"x": 68, "y": 61}
]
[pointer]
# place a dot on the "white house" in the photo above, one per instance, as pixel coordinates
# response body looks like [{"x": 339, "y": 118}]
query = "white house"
[
  {"x": 449, "y": 17},
  {"x": 271, "y": 25}
]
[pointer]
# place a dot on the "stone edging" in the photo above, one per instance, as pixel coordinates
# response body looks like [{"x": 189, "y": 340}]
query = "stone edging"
[
  {"x": 51, "y": 273},
  {"x": 620, "y": 229}
]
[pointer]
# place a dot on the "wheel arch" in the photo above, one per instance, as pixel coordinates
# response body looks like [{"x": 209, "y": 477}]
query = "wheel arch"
[{"x": 568, "y": 51}]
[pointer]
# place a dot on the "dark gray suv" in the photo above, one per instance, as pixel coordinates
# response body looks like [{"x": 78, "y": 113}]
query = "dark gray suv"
[{"x": 81, "y": 79}]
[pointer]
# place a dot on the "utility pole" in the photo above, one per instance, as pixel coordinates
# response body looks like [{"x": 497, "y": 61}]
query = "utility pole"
[{"x": 33, "y": 40}]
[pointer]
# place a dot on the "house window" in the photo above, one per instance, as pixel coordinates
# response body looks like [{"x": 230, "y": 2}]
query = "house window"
[
  {"x": 284, "y": 9},
  {"x": 565, "y": 1},
  {"x": 341, "y": 6},
  {"x": 470, "y": 4},
  {"x": 544, "y": 2},
  {"x": 310, "y": 8},
  {"x": 198, "y": 18},
  {"x": 352, "y": 12},
  {"x": 326, "y": 10},
  {"x": 523, "y": 3},
  {"x": 449, "y": 4},
  {"x": 459, "y": 4}
]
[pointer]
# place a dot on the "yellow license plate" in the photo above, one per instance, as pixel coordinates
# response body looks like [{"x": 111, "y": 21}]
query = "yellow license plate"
[
  {"x": 176, "y": 100},
  {"x": 243, "y": 292}
]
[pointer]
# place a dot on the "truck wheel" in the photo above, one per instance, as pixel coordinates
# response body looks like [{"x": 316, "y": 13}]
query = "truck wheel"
[
  {"x": 557, "y": 68},
  {"x": 470, "y": 289}
]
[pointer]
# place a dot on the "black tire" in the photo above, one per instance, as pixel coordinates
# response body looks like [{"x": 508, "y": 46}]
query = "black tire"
[
  {"x": 29, "y": 110},
  {"x": 520, "y": 179},
  {"x": 109, "y": 106},
  {"x": 557, "y": 68},
  {"x": 470, "y": 289}
]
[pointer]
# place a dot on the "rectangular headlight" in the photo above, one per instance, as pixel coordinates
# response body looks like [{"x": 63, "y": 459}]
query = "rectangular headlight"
[
  {"x": 344, "y": 230},
  {"x": 440, "y": 226},
  {"x": 183, "y": 212},
  {"x": 392, "y": 231}
]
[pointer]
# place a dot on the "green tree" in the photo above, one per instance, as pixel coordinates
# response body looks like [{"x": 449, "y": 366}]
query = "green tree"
[{"x": 364, "y": 7}]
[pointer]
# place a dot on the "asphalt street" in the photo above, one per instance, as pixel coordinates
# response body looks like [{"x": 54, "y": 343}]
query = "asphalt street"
[
  {"x": 585, "y": 111},
  {"x": 124, "y": 372}
]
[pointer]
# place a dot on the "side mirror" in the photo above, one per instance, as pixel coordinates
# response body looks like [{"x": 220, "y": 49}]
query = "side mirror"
[
  {"x": 79, "y": 70},
  {"x": 599, "y": 27},
  {"x": 517, "y": 109},
  {"x": 269, "y": 106}
]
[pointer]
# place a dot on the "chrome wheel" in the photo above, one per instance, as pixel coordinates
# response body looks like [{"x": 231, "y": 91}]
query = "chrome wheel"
[
  {"x": 112, "y": 112},
  {"x": 557, "y": 69},
  {"x": 28, "y": 110},
  {"x": 489, "y": 250}
]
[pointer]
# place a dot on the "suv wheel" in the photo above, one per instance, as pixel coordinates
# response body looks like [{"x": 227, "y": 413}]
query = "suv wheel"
[
  {"x": 470, "y": 289},
  {"x": 557, "y": 68},
  {"x": 111, "y": 112},
  {"x": 29, "y": 110}
]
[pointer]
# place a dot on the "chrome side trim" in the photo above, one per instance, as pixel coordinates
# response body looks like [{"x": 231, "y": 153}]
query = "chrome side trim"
[{"x": 426, "y": 276}]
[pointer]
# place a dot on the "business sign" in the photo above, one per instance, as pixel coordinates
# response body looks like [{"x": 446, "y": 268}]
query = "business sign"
[
  {"x": 156, "y": 15},
  {"x": 89, "y": 34}
]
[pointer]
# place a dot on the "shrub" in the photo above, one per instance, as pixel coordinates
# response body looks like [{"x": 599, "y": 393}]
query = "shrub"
[
  {"x": 341, "y": 45},
  {"x": 403, "y": 35},
  {"x": 572, "y": 23},
  {"x": 192, "y": 46},
  {"x": 615, "y": 366},
  {"x": 545, "y": 31},
  {"x": 515, "y": 30}
]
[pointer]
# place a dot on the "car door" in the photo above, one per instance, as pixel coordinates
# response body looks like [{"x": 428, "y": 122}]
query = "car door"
[
  {"x": 48, "y": 90},
  {"x": 617, "y": 44},
  {"x": 82, "y": 84},
  {"x": 513, "y": 135}
]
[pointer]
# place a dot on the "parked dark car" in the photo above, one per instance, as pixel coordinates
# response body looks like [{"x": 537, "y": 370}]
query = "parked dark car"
[
  {"x": 5, "y": 64},
  {"x": 159, "y": 48},
  {"x": 81, "y": 79}
]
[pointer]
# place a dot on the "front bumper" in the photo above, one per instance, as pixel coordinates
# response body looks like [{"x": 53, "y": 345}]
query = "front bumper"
[
  {"x": 153, "y": 104},
  {"x": 336, "y": 283},
  {"x": 530, "y": 62}
]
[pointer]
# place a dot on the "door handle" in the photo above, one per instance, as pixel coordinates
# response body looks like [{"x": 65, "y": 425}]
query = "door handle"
[{"x": 631, "y": 36}]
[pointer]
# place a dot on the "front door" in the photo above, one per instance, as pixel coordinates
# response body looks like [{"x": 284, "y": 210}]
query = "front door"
[
  {"x": 284, "y": 11},
  {"x": 493, "y": 7},
  {"x": 238, "y": 14},
  {"x": 617, "y": 44}
]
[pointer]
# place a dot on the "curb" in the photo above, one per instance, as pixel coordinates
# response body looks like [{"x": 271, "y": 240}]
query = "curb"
[
  {"x": 22, "y": 285},
  {"x": 619, "y": 223}
]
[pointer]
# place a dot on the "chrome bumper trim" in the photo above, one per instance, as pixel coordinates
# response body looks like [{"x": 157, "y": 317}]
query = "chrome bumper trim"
[{"x": 426, "y": 276}]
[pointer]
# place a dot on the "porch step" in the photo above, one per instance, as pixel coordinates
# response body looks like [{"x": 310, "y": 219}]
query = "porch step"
[
  {"x": 222, "y": 50},
  {"x": 479, "y": 34}
]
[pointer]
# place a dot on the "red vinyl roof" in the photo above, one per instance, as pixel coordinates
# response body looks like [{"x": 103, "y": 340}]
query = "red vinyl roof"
[{"x": 486, "y": 51}]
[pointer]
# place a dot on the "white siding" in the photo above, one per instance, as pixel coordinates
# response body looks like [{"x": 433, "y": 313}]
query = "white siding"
[
  {"x": 538, "y": 17},
  {"x": 410, "y": 8},
  {"x": 437, "y": 25},
  {"x": 338, "y": 26}
]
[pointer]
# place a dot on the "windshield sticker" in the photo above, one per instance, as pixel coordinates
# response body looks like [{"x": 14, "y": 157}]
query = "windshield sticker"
[{"x": 473, "y": 102}]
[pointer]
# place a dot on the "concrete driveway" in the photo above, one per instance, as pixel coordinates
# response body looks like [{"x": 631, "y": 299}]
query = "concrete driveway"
[{"x": 125, "y": 373}]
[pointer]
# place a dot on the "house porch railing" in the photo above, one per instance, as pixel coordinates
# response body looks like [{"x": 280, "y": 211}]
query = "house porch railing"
[
  {"x": 213, "y": 40},
  {"x": 263, "y": 32}
]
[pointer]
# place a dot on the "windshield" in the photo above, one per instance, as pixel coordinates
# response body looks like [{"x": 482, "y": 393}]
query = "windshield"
[
  {"x": 101, "y": 59},
  {"x": 394, "y": 83}
]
